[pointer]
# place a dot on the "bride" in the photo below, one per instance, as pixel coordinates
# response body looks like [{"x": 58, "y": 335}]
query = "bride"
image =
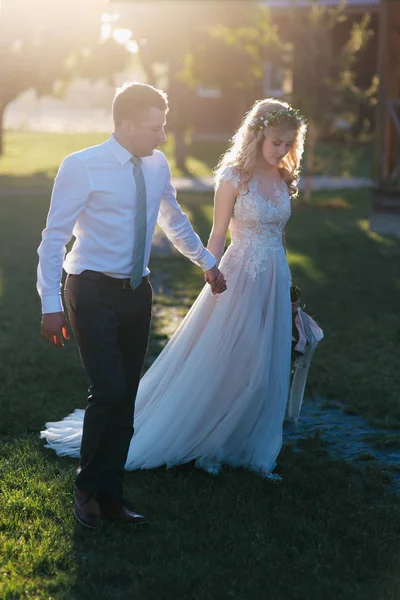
[{"x": 217, "y": 393}]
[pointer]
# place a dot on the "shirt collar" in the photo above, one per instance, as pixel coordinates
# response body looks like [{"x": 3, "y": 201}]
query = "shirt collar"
[{"x": 121, "y": 154}]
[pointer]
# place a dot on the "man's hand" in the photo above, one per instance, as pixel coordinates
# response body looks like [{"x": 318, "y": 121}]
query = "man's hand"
[
  {"x": 216, "y": 280},
  {"x": 54, "y": 328}
]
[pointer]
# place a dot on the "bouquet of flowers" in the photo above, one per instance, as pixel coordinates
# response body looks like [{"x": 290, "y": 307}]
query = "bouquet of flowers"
[
  {"x": 295, "y": 298},
  {"x": 306, "y": 334}
]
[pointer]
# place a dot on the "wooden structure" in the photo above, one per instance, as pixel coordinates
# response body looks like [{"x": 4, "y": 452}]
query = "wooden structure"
[
  {"x": 357, "y": 6},
  {"x": 387, "y": 160}
]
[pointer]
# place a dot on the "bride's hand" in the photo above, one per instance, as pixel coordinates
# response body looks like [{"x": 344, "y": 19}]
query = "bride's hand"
[{"x": 216, "y": 280}]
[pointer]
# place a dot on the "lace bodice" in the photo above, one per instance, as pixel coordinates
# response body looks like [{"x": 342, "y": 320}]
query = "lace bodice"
[{"x": 257, "y": 224}]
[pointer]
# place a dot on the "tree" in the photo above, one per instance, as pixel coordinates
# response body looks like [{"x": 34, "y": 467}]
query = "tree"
[
  {"x": 304, "y": 41},
  {"x": 234, "y": 58},
  {"x": 168, "y": 33},
  {"x": 324, "y": 86},
  {"x": 46, "y": 43}
]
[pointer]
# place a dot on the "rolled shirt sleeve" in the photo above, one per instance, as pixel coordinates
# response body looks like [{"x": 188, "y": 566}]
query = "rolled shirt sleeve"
[
  {"x": 179, "y": 231},
  {"x": 70, "y": 192}
]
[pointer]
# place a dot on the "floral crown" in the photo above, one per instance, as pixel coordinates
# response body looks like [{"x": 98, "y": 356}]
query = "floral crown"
[{"x": 257, "y": 124}]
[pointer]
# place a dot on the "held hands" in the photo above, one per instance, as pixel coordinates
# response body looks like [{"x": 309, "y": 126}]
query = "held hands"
[
  {"x": 54, "y": 328},
  {"x": 216, "y": 280}
]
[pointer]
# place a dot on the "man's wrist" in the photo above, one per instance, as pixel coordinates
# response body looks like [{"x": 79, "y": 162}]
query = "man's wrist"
[
  {"x": 52, "y": 304},
  {"x": 208, "y": 261}
]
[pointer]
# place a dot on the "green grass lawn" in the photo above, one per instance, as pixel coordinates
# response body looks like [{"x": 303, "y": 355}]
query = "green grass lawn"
[
  {"x": 330, "y": 530},
  {"x": 32, "y": 158}
]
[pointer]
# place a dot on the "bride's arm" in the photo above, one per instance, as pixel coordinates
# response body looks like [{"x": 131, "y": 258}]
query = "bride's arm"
[
  {"x": 284, "y": 240},
  {"x": 224, "y": 201}
]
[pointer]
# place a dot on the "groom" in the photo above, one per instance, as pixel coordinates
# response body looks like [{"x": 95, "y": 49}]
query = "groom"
[{"x": 110, "y": 197}]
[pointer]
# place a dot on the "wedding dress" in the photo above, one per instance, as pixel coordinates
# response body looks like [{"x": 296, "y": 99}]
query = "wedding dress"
[{"x": 218, "y": 391}]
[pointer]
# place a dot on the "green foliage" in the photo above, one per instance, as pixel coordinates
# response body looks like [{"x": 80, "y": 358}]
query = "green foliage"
[
  {"x": 324, "y": 85},
  {"x": 323, "y": 72},
  {"x": 233, "y": 58},
  {"x": 168, "y": 31}
]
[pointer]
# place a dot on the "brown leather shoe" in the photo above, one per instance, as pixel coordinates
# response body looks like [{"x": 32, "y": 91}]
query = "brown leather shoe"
[
  {"x": 117, "y": 511},
  {"x": 86, "y": 509}
]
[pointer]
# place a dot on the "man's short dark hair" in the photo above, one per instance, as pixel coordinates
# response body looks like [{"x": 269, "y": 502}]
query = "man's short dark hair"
[{"x": 132, "y": 99}]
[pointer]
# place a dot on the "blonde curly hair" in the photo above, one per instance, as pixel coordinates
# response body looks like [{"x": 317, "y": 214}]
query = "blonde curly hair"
[{"x": 248, "y": 140}]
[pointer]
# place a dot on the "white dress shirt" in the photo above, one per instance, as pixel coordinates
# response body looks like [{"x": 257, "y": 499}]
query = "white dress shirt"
[{"x": 94, "y": 199}]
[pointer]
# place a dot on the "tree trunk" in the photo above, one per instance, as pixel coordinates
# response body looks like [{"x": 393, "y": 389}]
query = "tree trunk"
[
  {"x": 181, "y": 150},
  {"x": 180, "y": 117},
  {"x": 148, "y": 66},
  {"x": 311, "y": 140},
  {"x": 241, "y": 106}
]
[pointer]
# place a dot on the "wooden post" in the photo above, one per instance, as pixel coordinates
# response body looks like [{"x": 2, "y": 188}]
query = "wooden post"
[
  {"x": 389, "y": 75},
  {"x": 386, "y": 196}
]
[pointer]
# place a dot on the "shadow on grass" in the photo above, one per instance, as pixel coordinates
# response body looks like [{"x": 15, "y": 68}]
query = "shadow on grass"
[
  {"x": 325, "y": 531},
  {"x": 34, "y": 183}
]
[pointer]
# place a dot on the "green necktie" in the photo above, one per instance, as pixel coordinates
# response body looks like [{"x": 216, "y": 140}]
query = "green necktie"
[{"x": 140, "y": 224}]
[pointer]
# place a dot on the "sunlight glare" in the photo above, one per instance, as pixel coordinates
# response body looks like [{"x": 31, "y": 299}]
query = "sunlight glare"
[
  {"x": 306, "y": 264},
  {"x": 364, "y": 225},
  {"x": 122, "y": 36},
  {"x": 105, "y": 32},
  {"x": 107, "y": 18},
  {"x": 132, "y": 46}
]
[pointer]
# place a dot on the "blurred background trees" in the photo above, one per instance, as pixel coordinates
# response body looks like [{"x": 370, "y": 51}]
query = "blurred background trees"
[
  {"x": 237, "y": 52},
  {"x": 44, "y": 44},
  {"x": 179, "y": 49},
  {"x": 320, "y": 60},
  {"x": 213, "y": 58},
  {"x": 324, "y": 62}
]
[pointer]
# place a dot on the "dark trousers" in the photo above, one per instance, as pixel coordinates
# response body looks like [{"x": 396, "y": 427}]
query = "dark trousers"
[{"x": 111, "y": 326}]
